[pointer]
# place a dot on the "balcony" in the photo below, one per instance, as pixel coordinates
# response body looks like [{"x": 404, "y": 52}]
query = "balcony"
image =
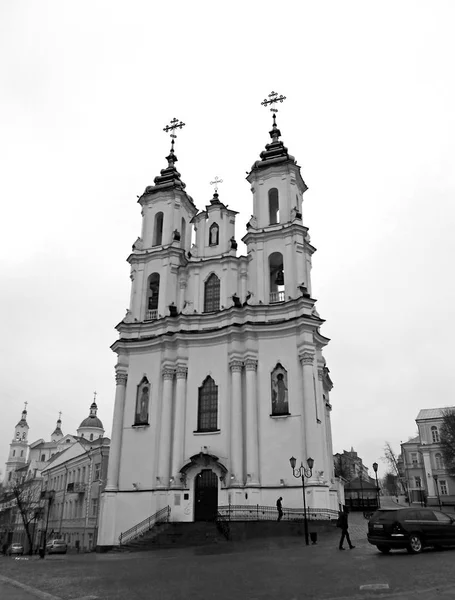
[
  {"x": 276, "y": 297},
  {"x": 76, "y": 487},
  {"x": 151, "y": 315}
]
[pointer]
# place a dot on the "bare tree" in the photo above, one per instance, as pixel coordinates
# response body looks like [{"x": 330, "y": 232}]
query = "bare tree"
[
  {"x": 447, "y": 440},
  {"x": 27, "y": 497},
  {"x": 391, "y": 459}
]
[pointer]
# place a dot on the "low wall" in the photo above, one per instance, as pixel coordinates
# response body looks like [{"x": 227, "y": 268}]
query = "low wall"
[{"x": 246, "y": 530}]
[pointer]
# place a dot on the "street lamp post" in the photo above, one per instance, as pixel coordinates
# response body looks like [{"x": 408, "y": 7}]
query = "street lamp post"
[
  {"x": 375, "y": 469},
  {"x": 361, "y": 487},
  {"x": 303, "y": 472},
  {"x": 435, "y": 477}
]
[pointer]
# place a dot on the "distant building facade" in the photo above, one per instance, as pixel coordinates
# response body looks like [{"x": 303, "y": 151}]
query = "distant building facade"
[
  {"x": 426, "y": 476},
  {"x": 349, "y": 465}
]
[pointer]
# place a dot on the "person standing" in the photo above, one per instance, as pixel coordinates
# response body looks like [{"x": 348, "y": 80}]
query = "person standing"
[
  {"x": 279, "y": 508},
  {"x": 343, "y": 524}
]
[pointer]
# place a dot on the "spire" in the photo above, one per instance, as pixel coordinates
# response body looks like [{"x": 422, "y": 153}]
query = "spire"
[
  {"x": 215, "y": 182},
  {"x": 276, "y": 151},
  {"x": 58, "y": 427},
  {"x": 169, "y": 177},
  {"x": 23, "y": 420}
]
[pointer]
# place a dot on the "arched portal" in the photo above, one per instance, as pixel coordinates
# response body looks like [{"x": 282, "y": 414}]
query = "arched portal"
[{"x": 205, "y": 496}]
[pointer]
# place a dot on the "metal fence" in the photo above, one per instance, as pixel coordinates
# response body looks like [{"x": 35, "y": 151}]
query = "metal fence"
[{"x": 256, "y": 512}]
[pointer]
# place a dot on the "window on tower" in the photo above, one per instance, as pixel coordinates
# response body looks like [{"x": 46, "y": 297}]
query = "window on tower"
[
  {"x": 158, "y": 230},
  {"x": 153, "y": 292},
  {"x": 274, "y": 207},
  {"x": 183, "y": 233},
  {"x": 207, "y": 417},
  {"x": 212, "y": 294},
  {"x": 276, "y": 277},
  {"x": 214, "y": 235}
]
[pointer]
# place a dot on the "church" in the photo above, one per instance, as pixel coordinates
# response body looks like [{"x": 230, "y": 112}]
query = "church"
[{"x": 220, "y": 377}]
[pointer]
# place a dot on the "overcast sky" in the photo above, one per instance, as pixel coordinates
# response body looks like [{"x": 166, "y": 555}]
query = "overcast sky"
[{"x": 86, "y": 89}]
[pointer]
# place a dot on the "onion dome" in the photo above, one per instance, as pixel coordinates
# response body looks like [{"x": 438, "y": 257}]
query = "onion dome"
[
  {"x": 23, "y": 421},
  {"x": 275, "y": 152},
  {"x": 92, "y": 420},
  {"x": 57, "y": 433}
]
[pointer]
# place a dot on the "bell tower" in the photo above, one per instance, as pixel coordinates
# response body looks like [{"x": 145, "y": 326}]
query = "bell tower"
[
  {"x": 167, "y": 211},
  {"x": 278, "y": 243},
  {"x": 18, "y": 448}
]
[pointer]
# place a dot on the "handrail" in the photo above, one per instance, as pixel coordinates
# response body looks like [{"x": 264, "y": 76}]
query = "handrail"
[
  {"x": 222, "y": 525},
  {"x": 256, "y": 512},
  {"x": 161, "y": 516}
]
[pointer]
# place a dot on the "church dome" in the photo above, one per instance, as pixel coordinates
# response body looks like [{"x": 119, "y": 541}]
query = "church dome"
[
  {"x": 91, "y": 426},
  {"x": 92, "y": 421}
]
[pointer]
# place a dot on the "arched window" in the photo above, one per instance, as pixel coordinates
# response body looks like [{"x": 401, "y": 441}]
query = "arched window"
[
  {"x": 158, "y": 230},
  {"x": 207, "y": 411},
  {"x": 438, "y": 460},
  {"x": 276, "y": 277},
  {"x": 153, "y": 292},
  {"x": 183, "y": 233},
  {"x": 91, "y": 437},
  {"x": 14, "y": 452},
  {"x": 274, "y": 207},
  {"x": 435, "y": 434},
  {"x": 43, "y": 457},
  {"x": 212, "y": 294},
  {"x": 214, "y": 235}
]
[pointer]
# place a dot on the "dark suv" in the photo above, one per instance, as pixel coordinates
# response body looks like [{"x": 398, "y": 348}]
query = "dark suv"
[{"x": 410, "y": 528}]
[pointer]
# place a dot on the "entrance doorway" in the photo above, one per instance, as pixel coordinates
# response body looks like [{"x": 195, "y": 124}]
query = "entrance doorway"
[{"x": 205, "y": 496}]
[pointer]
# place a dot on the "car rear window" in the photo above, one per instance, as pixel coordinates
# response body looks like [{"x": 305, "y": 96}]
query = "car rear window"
[{"x": 384, "y": 516}]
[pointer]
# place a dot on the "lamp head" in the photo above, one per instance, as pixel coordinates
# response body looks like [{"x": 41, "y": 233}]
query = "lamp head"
[
  {"x": 375, "y": 467},
  {"x": 310, "y": 463},
  {"x": 292, "y": 460}
]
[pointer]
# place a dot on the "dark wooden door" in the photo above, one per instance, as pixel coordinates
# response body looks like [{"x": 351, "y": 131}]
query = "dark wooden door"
[{"x": 205, "y": 496}]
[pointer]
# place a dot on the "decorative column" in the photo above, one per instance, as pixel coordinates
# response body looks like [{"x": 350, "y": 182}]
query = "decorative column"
[
  {"x": 179, "y": 424},
  {"x": 113, "y": 471},
  {"x": 309, "y": 409},
  {"x": 236, "y": 422},
  {"x": 252, "y": 434},
  {"x": 327, "y": 459},
  {"x": 165, "y": 429}
]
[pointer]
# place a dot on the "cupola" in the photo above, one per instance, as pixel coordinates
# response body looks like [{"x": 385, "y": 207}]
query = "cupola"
[{"x": 91, "y": 428}]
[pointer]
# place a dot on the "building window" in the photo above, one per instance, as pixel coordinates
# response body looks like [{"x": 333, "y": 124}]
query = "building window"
[
  {"x": 158, "y": 230},
  {"x": 43, "y": 457},
  {"x": 418, "y": 482},
  {"x": 153, "y": 293},
  {"x": 414, "y": 460},
  {"x": 212, "y": 294},
  {"x": 207, "y": 417},
  {"x": 91, "y": 437},
  {"x": 443, "y": 487},
  {"x": 14, "y": 452},
  {"x": 97, "y": 471},
  {"x": 22, "y": 453},
  {"x": 94, "y": 506},
  {"x": 276, "y": 277},
  {"x": 435, "y": 434},
  {"x": 274, "y": 207},
  {"x": 214, "y": 235},
  {"x": 438, "y": 461},
  {"x": 182, "y": 233}
]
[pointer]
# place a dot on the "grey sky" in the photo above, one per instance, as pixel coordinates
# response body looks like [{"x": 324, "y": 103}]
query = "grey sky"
[{"x": 87, "y": 88}]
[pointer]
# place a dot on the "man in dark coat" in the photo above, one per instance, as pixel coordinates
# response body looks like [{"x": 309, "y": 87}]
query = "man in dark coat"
[
  {"x": 279, "y": 508},
  {"x": 343, "y": 524}
]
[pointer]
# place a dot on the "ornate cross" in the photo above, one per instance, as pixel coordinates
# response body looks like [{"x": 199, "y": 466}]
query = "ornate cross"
[
  {"x": 174, "y": 124},
  {"x": 215, "y": 182},
  {"x": 94, "y": 396},
  {"x": 59, "y": 415},
  {"x": 273, "y": 98},
  {"x": 25, "y": 405}
]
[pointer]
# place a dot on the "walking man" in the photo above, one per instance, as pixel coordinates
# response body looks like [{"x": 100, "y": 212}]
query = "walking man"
[
  {"x": 343, "y": 524},
  {"x": 279, "y": 508}
]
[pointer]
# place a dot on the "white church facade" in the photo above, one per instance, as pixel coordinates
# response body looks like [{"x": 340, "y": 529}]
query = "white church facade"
[{"x": 220, "y": 373}]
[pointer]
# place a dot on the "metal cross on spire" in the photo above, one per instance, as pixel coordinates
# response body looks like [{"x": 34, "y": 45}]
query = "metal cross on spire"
[
  {"x": 59, "y": 415},
  {"x": 273, "y": 98},
  {"x": 25, "y": 405},
  {"x": 94, "y": 396},
  {"x": 215, "y": 182},
  {"x": 173, "y": 125}
]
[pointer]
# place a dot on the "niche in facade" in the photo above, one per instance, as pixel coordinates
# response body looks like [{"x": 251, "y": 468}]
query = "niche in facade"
[
  {"x": 214, "y": 235},
  {"x": 279, "y": 391},
  {"x": 141, "y": 416}
]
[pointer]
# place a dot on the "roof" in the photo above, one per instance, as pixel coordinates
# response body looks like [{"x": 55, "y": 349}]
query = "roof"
[
  {"x": 433, "y": 413},
  {"x": 356, "y": 484},
  {"x": 414, "y": 440},
  {"x": 91, "y": 421}
]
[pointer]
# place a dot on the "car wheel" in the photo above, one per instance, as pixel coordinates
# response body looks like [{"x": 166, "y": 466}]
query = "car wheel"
[
  {"x": 383, "y": 549},
  {"x": 415, "y": 544}
]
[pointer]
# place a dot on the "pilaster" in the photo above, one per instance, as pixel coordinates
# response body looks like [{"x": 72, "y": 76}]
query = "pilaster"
[
  {"x": 252, "y": 434},
  {"x": 236, "y": 367},
  {"x": 179, "y": 424},
  {"x": 113, "y": 471},
  {"x": 165, "y": 429}
]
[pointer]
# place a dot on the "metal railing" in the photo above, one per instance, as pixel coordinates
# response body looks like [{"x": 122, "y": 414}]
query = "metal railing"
[
  {"x": 222, "y": 524},
  {"x": 162, "y": 516},
  {"x": 239, "y": 512},
  {"x": 277, "y": 297},
  {"x": 151, "y": 315}
]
